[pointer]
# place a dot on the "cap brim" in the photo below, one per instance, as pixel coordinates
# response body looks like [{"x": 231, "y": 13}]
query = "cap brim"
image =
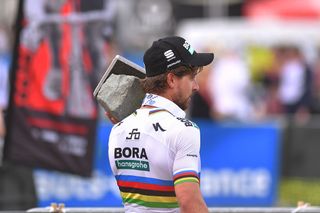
[{"x": 202, "y": 59}]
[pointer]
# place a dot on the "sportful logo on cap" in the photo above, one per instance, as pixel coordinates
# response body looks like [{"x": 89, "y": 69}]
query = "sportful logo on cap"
[
  {"x": 188, "y": 47},
  {"x": 169, "y": 55}
]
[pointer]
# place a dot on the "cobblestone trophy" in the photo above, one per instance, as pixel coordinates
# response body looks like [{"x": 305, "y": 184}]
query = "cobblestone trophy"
[{"x": 119, "y": 91}]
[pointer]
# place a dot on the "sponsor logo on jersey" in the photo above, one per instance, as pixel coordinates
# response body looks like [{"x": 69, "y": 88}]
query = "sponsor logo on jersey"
[
  {"x": 132, "y": 153},
  {"x": 157, "y": 127},
  {"x": 149, "y": 99},
  {"x": 133, "y": 135},
  {"x": 188, "y": 123},
  {"x": 133, "y": 164}
]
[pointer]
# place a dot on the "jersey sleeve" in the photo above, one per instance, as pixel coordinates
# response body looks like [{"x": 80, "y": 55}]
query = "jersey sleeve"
[{"x": 186, "y": 166}]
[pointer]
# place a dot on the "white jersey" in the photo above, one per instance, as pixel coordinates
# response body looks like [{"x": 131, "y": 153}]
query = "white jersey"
[{"x": 150, "y": 152}]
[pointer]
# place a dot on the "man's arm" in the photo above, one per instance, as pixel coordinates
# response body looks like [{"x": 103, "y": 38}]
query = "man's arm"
[
  {"x": 190, "y": 198},
  {"x": 186, "y": 169},
  {"x": 2, "y": 124}
]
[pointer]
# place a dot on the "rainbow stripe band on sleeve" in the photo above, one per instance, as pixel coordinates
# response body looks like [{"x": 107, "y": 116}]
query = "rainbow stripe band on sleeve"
[{"x": 186, "y": 176}]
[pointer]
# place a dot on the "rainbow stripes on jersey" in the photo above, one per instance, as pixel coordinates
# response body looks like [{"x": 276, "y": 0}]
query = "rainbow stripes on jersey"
[
  {"x": 186, "y": 176},
  {"x": 157, "y": 110},
  {"x": 148, "y": 192}
]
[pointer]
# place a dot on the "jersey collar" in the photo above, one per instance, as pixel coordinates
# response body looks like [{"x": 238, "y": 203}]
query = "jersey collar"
[{"x": 161, "y": 102}]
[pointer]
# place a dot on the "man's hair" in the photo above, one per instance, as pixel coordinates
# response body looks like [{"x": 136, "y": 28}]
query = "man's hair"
[{"x": 158, "y": 84}]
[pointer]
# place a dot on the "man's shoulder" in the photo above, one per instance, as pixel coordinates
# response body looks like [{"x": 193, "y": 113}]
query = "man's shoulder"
[{"x": 166, "y": 116}]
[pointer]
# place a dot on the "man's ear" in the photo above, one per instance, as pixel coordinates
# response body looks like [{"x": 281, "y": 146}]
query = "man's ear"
[{"x": 171, "y": 80}]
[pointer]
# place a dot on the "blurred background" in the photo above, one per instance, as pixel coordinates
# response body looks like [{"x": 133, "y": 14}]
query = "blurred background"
[{"x": 258, "y": 105}]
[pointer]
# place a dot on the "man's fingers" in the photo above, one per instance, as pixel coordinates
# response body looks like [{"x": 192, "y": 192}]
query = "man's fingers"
[{"x": 111, "y": 118}]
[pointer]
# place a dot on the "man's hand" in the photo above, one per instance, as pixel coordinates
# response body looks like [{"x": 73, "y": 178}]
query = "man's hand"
[{"x": 111, "y": 118}]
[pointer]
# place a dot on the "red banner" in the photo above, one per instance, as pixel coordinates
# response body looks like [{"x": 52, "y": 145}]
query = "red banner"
[{"x": 60, "y": 56}]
